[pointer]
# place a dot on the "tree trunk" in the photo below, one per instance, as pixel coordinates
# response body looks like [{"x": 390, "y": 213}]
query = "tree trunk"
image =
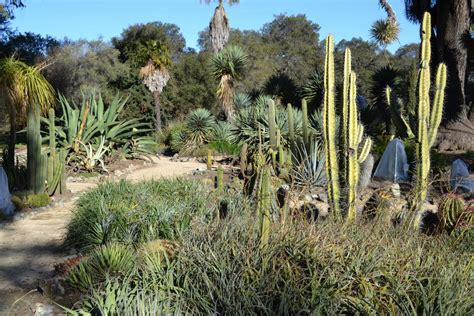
[
  {"x": 452, "y": 32},
  {"x": 156, "y": 100}
]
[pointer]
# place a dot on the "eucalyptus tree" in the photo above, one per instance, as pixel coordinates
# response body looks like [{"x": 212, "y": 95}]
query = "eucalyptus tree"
[
  {"x": 219, "y": 27},
  {"x": 228, "y": 66},
  {"x": 23, "y": 88}
]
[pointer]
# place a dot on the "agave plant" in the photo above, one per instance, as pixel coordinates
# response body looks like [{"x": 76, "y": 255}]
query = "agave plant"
[
  {"x": 242, "y": 100},
  {"x": 92, "y": 158},
  {"x": 93, "y": 123},
  {"x": 308, "y": 168}
]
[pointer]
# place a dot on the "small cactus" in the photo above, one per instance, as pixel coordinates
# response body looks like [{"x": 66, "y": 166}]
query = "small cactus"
[
  {"x": 209, "y": 159},
  {"x": 452, "y": 206},
  {"x": 220, "y": 179}
]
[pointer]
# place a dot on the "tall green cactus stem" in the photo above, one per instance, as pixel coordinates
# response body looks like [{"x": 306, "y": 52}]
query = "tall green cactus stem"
[
  {"x": 272, "y": 124},
  {"x": 427, "y": 124},
  {"x": 55, "y": 161},
  {"x": 304, "y": 109},
  {"x": 354, "y": 132},
  {"x": 209, "y": 159},
  {"x": 329, "y": 128},
  {"x": 264, "y": 206},
  {"x": 291, "y": 127},
  {"x": 220, "y": 179},
  {"x": 352, "y": 143},
  {"x": 36, "y": 175},
  {"x": 345, "y": 105}
]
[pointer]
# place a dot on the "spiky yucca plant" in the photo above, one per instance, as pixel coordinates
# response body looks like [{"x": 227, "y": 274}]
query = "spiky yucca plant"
[
  {"x": 228, "y": 66},
  {"x": 386, "y": 31},
  {"x": 200, "y": 124}
]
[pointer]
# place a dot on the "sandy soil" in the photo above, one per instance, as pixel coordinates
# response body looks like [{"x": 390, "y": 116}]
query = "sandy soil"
[{"x": 29, "y": 247}]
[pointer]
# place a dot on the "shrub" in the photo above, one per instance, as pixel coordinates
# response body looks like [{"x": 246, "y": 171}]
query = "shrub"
[{"x": 37, "y": 200}]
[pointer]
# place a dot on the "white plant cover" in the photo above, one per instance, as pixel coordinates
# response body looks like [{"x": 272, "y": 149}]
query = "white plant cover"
[
  {"x": 6, "y": 205},
  {"x": 394, "y": 165},
  {"x": 460, "y": 176},
  {"x": 157, "y": 80}
]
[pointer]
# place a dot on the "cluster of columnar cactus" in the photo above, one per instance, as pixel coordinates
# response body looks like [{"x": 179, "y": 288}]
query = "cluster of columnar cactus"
[
  {"x": 45, "y": 169},
  {"x": 352, "y": 133}
]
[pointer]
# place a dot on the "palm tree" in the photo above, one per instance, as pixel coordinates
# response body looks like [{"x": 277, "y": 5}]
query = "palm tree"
[
  {"x": 23, "y": 88},
  {"x": 156, "y": 59},
  {"x": 386, "y": 31},
  {"x": 219, "y": 28},
  {"x": 227, "y": 67}
]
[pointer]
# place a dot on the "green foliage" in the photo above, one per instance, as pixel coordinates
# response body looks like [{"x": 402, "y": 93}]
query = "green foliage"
[
  {"x": 200, "y": 124},
  {"x": 451, "y": 207},
  {"x": 89, "y": 131},
  {"x": 327, "y": 269},
  {"x": 36, "y": 200},
  {"x": 308, "y": 166},
  {"x": 106, "y": 261},
  {"x": 134, "y": 213}
]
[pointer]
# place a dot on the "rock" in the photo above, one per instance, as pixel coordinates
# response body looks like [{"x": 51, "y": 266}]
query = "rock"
[
  {"x": 200, "y": 171},
  {"x": 44, "y": 309},
  {"x": 366, "y": 173}
]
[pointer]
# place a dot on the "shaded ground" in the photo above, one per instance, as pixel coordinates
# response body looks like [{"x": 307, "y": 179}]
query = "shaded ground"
[{"x": 30, "y": 246}]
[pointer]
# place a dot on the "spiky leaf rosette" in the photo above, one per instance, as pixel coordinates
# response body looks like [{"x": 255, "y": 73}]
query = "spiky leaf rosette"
[
  {"x": 385, "y": 31},
  {"x": 227, "y": 66},
  {"x": 200, "y": 123}
]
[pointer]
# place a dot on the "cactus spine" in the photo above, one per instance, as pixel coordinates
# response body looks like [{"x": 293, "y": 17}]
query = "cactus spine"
[
  {"x": 427, "y": 124},
  {"x": 264, "y": 206},
  {"x": 329, "y": 130}
]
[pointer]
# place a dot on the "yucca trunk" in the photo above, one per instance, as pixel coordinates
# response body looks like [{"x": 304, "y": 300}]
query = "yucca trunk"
[
  {"x": 219, "y": 29},
  {"x": 226, "y": 95}
]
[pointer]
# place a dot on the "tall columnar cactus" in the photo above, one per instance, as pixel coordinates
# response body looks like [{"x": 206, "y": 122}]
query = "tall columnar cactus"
[
  {"x": 291, "y": 127},
  {"x": 306, "y": 136},
  {"x": 272, "y": 130},
  {"x": 427, "y": 121},
  {"x": 36, "y": 170},
  {"x": 55, "y": 161},
  {"x": 354, "y": 134},
  {"x": 345, "y": 102},
  {"x": 329, "y": 128},
  {"x": 264, "y": 206}
]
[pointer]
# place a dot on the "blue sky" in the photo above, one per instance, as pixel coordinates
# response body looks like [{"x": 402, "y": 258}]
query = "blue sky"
[{"x": 91, "y": 19}]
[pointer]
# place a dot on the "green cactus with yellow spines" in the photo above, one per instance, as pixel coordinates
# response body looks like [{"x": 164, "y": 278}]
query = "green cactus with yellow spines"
[
  {"x": 329, "y": 128},
  {"x": 345, "y": 105},
  {"x": 272, "y": 129},
  {"x": 306, "y": 132},
  {"x": 353, "y": 158},
  {"x": 291, "y": 127},
  {"x": 428, "y": 119}
]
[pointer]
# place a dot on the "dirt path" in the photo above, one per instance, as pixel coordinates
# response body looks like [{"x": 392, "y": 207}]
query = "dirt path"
[{"x": 29, "y": 247}]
